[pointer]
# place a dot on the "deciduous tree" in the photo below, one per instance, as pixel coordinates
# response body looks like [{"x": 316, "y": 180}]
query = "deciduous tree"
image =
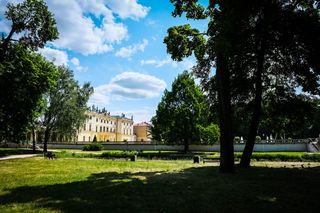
[
  {"x": 66, "y": 106},
  {"x": 34, "y": 23},
  {"x": 181, "y": 116}
]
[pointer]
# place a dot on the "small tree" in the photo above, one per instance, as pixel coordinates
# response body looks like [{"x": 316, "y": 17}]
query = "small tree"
[
  {"x": 66, "y": 106},
  {"x": 181, "y": 114}
]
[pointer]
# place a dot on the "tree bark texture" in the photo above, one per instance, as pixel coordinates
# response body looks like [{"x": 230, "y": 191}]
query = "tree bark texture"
[
  {"x": 247, "y": 153},
  {"x": 226, "y": 142}
]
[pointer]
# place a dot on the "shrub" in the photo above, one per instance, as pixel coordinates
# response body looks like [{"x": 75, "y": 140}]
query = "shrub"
[
  {"x": 236, "y": 139},
  {"x": 93, "y": 147},
  {"x": 258, "y": 139},
  {"x": 115, "y": 154},
  {"x": 209, "y": 134}
]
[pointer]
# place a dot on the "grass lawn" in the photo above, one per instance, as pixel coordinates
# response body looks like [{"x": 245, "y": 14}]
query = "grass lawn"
[{"x": 97, "y": 185}]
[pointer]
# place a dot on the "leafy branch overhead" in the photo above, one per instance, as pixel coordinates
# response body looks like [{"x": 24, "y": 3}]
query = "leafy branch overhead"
[{"x": 34, "y": 23}]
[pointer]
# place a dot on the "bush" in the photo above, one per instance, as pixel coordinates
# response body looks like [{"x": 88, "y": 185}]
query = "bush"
[
  {"x": 115, "y": 154},
  {"x": 258, "y": 139},
  {"x": 209, "y": 134},
  {"x": 92, "y": 147},
  {"x": 236, "y": 139},
  {"x": 283, "y": 156}
]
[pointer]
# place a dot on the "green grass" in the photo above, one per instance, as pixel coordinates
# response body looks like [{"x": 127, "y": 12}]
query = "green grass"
[
  {"x": 169, "y": 155},
  {"x": 97, "y": 185}
]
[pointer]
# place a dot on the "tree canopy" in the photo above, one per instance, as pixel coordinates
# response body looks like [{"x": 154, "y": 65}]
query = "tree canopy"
[
  {"x": 24, "y": 77},
  {"x": 34, "y": 23},
  {"x": 65, "y": 108},
  {"x": 181, "y": 116},
  {"x": 255, "y": 47}
]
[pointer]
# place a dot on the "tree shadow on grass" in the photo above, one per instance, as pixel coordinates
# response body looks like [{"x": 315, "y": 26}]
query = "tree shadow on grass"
[{"x": 200, "y": 189}]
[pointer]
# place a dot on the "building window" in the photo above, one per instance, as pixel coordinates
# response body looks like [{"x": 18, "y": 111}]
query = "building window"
[
  {"x": 84, "y": 138},
  {"x": 90, "y": 127},
  {"x": 84, "y": 127},
  {"x": 96, "y": 129},
  {"x": 100, "y": 128},
  {"x": 90, "y": 117},
  {"x": 96, "y": 119},
  {"x": 107, "y": 129},
  {"x": 104, "y": 129},
  {"x": 89, "y": 139}
]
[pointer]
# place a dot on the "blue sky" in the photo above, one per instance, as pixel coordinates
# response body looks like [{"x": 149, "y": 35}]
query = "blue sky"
[{"x": 118, "y": 47}]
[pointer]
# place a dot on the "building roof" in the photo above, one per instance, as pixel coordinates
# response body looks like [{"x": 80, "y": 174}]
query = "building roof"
[{"x": 142, "y": 124}]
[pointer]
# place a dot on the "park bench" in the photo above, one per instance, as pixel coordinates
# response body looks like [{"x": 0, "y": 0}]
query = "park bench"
[
  {"x": 49, "y": 155},
  {"x": 210, "y": 159}
]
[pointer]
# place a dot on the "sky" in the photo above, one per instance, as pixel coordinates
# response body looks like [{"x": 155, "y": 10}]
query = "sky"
[{"x": 117, "y": 46}]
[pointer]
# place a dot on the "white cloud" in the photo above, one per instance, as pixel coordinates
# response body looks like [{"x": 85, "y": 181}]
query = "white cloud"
[
  {"x": 75, "y": 61},
  {"x": 88, "y": 26},
  {"x": 99, "y": 97},
  {"x": 128, "y": 8},
  {"x": 139, "y": 115},
  {"x": 184, "y": 65},
  {"x": 127, "y": 52},
  {"x": 58, "y": 57},
  {"x": 128, "y": 86}
]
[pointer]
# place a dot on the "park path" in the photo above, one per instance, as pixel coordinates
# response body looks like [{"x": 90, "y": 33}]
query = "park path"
[{"x": 17, "y": 156}]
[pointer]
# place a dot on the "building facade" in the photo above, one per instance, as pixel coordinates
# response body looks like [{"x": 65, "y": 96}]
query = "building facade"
[
  {"x": 106, "y": 128},
  {"x": 142, "y": 132}
]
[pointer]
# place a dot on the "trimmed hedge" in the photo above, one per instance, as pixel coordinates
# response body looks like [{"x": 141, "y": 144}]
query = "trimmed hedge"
[
  {"x": 283, "y": 156},
  {"x": 93, "y": 147},
  {"x": 115, "y": 154}
]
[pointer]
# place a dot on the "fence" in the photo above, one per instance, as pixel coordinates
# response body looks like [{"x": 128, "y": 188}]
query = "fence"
[{"x": 259, "y": 147}]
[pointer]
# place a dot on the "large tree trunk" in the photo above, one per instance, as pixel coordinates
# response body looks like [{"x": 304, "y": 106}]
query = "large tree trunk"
[
  {"x": 247, "y": 153},
  {"x": 226, "y": 142}
]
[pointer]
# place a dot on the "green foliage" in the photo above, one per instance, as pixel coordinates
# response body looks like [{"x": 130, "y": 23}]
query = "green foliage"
[
  {"x": 236, "y": 139},
  {"x": 209, "y": 134},
  {"x": 258, "y": 139},
  {"x": 115, "y": 154},
  {"x": 24, "y": 78},
  {"x": 66, "y": 106},
  {"x": 34, "y": 21},
  {"x": 93, "y": 147},
  {"x": 285, "y": 156},
  {"x": 180, "y": 113}
]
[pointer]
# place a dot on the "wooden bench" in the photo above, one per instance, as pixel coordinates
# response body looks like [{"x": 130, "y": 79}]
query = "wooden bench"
[
  {"x": 210, "y": 159},
  {"x": 49, "y": 155}
]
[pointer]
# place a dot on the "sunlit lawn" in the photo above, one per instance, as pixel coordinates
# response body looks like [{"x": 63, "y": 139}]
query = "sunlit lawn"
[{"x": 97, "y": 185}]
